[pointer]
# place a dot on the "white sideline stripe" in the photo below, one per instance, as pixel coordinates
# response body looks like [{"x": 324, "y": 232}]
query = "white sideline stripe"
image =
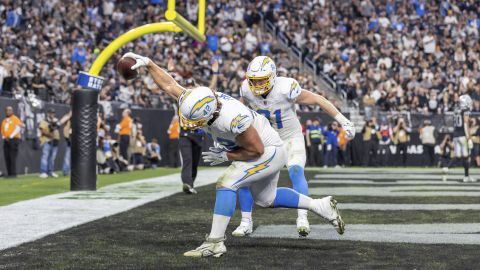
[
  {"x": 33, "y": 219},
  {"x": 388, "y": 176},
  {"x": 397, "y": 191},
  {"x": 397, "y": 182},
  {"x": 440, "y": 233},
  {"x": 405, "y": 206}
]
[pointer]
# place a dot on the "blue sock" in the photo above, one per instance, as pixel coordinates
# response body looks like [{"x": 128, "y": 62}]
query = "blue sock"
[
  {"x": 299, "y": 182},
  {"x": 246, "y": 199},
  {"x": 286, "y": 198},
  {"x": 225, "y": 202}
]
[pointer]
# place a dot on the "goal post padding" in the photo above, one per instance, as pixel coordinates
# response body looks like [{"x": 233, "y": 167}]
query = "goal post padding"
[{"x": 84, "y": 140}]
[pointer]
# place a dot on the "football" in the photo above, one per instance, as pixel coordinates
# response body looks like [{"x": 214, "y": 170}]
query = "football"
[{"x": 124, "y": 67}]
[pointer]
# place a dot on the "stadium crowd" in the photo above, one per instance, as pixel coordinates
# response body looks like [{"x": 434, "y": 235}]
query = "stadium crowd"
[
  {"x": 45, "y": 44},
  {"x": 389, "y": 55}
]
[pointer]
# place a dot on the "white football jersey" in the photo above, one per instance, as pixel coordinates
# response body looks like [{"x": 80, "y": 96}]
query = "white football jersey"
[
  {"x": 278, "y": 106},
  {"x": 234, "y": 119}
]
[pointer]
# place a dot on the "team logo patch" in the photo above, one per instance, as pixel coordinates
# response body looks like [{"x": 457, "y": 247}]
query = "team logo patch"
[
  {"x": 293, "y": 88},
  {"x": 238, "y": 122},
  {"x": 200, "y": 104},
  {"x": 265, "y": 61}
]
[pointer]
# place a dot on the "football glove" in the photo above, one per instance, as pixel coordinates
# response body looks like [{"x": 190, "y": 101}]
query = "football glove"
[
  {"x": 215, "y": 156},
  {"x": 141, "y": 61}
]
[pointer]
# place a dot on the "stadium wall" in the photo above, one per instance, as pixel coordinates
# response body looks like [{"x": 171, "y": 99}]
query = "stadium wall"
[{"x": 155, "y": 124}]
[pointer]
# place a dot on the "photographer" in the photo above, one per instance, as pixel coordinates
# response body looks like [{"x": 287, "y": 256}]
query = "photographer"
[
  {"x": 67, "y": 132},
  {"x": 49, "y": 139},
  {"x": 152, "y": 152},
  {"x": 401, "y": 137}
]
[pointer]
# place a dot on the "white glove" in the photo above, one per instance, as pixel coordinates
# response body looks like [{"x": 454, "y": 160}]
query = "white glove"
[
  {"x": 347, "y": 126},
  {"x": 470, "y": 144},
  {"x": 141, "y": 61},
  {"x": 214, "y": 156}
]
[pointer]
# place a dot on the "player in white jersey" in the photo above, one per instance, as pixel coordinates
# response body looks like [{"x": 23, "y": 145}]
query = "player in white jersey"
[
  {"x": 247, "y": 139},
  {"x": 275, "y": 98}
]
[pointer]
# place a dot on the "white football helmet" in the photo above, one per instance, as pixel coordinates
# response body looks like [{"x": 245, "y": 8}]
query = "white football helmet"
[
  {"x": 261, "y": 74},
  {"x": 465, "y": 102},
  {"x": 196, "y": 107}
]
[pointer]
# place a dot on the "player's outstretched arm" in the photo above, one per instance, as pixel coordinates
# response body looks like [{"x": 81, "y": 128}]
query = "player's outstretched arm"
[
  {"x": 159, "y": 75},
  {"x": 308, "y": 98}
]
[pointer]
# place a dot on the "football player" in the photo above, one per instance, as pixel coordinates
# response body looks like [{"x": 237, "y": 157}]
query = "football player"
[
  {"x": 461, "y": 136},
  {"x": 275, "y": 98},
  {"x": 247, "y": 139}
]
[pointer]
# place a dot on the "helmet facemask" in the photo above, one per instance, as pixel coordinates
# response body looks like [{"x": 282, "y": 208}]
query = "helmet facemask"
[{"x": 260, "y": 85}]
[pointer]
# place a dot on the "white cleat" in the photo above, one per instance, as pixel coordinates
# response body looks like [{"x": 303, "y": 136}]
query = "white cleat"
[
  {"x": 327, "y": 208},
  {"x": 466, "y": 179},
  {"x": 245, "y": 228},
  {"x": 473, "y": 180},
  {"x": 211, "y": 247},
  {"x": 54, "y": 175},
  {"x": 43, "y": 175},
  {"x": 303, "y": 227}
]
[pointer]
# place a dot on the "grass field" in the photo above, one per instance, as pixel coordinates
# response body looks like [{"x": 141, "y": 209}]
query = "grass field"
[
  {"x": 31, "y": 186},
  {"x": 155, "y": 235}
]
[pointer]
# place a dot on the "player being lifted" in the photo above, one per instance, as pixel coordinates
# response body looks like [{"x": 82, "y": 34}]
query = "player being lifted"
[
  {"x": 247, "y": 139},
  {"x": 275, "y": 98},
  {"x": 461, "y": 134}
]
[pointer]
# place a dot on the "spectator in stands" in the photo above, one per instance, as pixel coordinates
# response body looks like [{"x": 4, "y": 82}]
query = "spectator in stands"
[
  {"x": 49, "y": 140},
  {"x": 173, "y": 136},
  {"x": 428, "y": 136},
  {"x": 401, "y": 137},
  {"x": 331, "y": 145},
  {"x": 152, "y": 153},
  {"x": 124, "y": 130},
  {"x": 314, "y": 142},
  {"x": 11, "y": 134}
]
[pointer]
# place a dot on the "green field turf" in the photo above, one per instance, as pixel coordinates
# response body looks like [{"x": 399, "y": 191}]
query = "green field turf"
[
  {"x": 31, "y": 186},
  {"x": 155, "y": 235}
]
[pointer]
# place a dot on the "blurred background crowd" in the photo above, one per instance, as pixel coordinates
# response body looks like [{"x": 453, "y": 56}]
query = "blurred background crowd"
[{"x": 389, "y": 55}]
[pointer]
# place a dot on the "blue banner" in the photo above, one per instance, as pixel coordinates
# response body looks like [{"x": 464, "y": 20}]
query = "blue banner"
[{"x": 90, "y": 81}]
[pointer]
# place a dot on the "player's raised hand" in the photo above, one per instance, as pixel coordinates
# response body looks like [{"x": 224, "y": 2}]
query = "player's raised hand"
[
  {"x": 215, "y": 67},
  {"x": 215, "y": 156},
  {"x": 141, "y": 61}
]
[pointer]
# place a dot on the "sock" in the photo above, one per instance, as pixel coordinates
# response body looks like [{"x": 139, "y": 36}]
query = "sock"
[
  {"x": 465, "y": 165},
  {"x": 246, "y": 200},
  {"x": 299, "y": 182},
  {"x": 225, "y": 203},
  {"x": 289, "y": 198}
]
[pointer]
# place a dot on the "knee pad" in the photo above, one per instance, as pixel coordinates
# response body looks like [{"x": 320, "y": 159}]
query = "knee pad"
[{"x": 265, "y": 204}]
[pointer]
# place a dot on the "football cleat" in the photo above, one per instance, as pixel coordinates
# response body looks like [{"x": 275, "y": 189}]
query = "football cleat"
[
  {"x": 473, "y": 180},
  {"x": 189, "y": 189},
  {"x": 245, "y": 228},
  {"x": 466, "y": 179},
  {"x": 327, "y": 208},
  {"x": 303, "y": 227},
  {"x": 211, "y": 247}
]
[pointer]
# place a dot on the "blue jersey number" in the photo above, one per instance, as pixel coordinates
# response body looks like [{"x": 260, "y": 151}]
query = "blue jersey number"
[{"x": 278, "y": 117}]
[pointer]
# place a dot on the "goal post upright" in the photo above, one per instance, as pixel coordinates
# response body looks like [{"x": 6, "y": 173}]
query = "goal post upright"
[{"x": 85, "y": 100}]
